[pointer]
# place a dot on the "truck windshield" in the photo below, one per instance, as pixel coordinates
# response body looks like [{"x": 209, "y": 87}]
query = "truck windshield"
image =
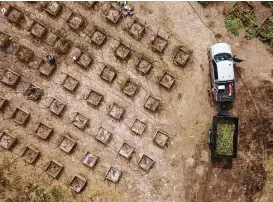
[{"x": 222, "y": 56}]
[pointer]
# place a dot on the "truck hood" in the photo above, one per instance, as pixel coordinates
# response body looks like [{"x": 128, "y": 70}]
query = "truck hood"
[
  {"x": 220, "y": 48},
  {"x": 225, "y": 70}
]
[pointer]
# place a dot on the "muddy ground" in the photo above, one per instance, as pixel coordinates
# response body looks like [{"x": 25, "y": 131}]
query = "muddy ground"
[{"x": 182, "y": 170}]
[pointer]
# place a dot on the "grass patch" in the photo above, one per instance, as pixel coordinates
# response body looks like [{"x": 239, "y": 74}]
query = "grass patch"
[
  {"x": 224, "y": 141},
  {"x": 45, "y": 198},
  {"x": 41, "y": 195},
  {"x": 162, "y": 65},
  {"x": 56, "y": 193}
]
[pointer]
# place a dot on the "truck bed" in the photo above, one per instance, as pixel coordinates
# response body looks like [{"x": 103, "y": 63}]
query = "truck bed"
[{"x": 224, "y": 92}]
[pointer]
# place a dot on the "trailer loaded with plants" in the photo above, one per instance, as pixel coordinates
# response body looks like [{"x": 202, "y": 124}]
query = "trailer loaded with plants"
[{"x": 223, "y": 137}]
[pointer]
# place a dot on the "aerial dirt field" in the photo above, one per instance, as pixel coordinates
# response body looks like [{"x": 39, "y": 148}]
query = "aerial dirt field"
[{"x": 124, "y": 113}]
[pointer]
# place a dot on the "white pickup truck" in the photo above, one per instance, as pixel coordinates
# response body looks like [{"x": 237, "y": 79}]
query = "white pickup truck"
[{"x": 222, "y": 72}]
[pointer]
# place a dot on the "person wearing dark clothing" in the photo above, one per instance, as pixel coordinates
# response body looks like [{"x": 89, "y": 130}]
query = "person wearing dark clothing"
[{"x": 51, "y": 59}]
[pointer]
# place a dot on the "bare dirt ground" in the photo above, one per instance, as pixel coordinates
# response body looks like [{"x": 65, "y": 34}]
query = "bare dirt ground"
[{"x": 182, "y": 170}]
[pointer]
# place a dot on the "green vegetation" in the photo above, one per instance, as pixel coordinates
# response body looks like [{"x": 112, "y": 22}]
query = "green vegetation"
[
  {"x": 122, "y": 82},
  {"x": 266, "y": 30},
  {"x": 251, "y": 20},
  {"x": 268, "y": 4},
  {"x": 163, "y": 65},
  {"x": 224, "y": 141},
  {"x": 233, "y": 24},
  {"x": 203, "y": 3},
  {"x": 41, "y": 195},
  {"x": 247, "y": 20},
  {"x": 251, "y": 33},
  {"x": 56, "y": 194},
  {"x": 243, "y": 17},
  {"x": 45, "y": 198}
]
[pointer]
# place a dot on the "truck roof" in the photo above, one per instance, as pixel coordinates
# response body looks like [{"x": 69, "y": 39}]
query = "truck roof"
[
  {"x": 220, "y": 48},
  {"x": 225, "y": 70}
]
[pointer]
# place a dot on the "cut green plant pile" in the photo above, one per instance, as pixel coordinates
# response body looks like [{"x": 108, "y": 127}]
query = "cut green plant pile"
[
  {"x": 266, "y": 29},
  {"x": 224, "y": 134},
  {"x": 251, "y": 33},
  {"x": 242, "y": 16},
  {"x": 268, "y": 4},
  {"x": 233, "y": 24},
  {"x": 242, "y": 9}
]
